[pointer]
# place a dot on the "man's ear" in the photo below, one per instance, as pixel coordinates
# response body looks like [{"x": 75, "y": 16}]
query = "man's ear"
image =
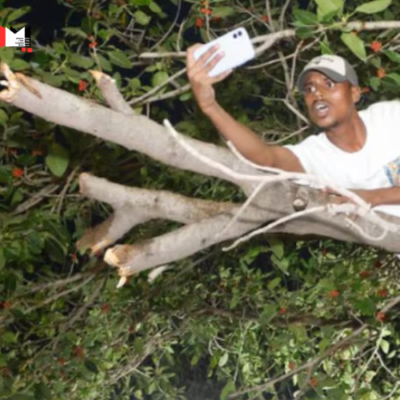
[{"x": 355, "y": 94}]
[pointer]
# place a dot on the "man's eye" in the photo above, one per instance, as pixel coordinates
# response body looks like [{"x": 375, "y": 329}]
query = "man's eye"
[
  {"x": 309, "y": 89},
  {"x": 330, "y": 84}
]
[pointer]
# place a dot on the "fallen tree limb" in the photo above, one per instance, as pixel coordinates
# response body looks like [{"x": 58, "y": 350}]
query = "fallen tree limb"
[{"x": 204, "y": 222}]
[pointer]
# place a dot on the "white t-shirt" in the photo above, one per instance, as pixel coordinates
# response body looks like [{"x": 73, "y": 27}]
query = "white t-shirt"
[{"x": 375, "y": 166}]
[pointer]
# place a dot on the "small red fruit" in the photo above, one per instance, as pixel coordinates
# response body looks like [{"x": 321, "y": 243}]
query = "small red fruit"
[
  {"x": 61, "y": 361},
  {"x": 334, "y": 293},
  {"x": 105, "y": 308},
  {"x": 199, "y": 22},
  {"x": 17, "y": 172},
  {"x": 382, "y": 293},
  {"x": 380, "y": 73},
  {"x": 313, "y": 381},
  {"x": 79, "y": 351},
  {"x": 365, "y": 274},
  {"x": 82, "y": 85},
  {"x": 376, "y": 46},
  {"x": 282, "y": 311},
  {"x": 380, "y": 316},
  {"x": 292, "y": 366},
  {"x": 6, "y": 305}
]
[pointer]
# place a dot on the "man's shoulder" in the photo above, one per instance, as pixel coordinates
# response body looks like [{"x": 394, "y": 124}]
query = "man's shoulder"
[{"x": 382, "y": 108}]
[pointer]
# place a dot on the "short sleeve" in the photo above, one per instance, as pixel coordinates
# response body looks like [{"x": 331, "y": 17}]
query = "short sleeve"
[{"x": 307, "y": 152}]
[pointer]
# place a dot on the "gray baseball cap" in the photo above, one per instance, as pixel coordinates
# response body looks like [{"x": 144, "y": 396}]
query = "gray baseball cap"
[{"x": 334, "y": 67}]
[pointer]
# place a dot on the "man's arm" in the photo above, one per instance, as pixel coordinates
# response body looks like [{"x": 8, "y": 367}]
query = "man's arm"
[
  {"x": 379, "y": 197},
  {"x": 248, "y": 143},
  {"x": 375, "y": 197}
]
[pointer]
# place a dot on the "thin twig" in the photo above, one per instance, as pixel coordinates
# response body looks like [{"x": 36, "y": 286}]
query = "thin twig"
[{"x": 156, "y": 89}]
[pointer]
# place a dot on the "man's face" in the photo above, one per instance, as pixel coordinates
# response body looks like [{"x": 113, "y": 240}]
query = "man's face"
[{"x": 329, "y": 104}]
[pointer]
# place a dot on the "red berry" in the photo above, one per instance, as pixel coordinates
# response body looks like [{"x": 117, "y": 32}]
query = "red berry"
[
  {"x": 380, "y": 316},
  {"x": 376, "y": 46},
  {"x": 82, "y": 85},
  {"x": 382, "y": 293},
  {"x": 17, "y": 172},
  {"x": 199, "y": 22},
  {"x": 313, "y": 381},
  {"x": 334, "y": 293}
]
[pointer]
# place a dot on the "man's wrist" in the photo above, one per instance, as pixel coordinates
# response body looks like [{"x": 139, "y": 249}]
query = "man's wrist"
[
  {"x": 212, "y": 110},
  {"x": 375, "y": 198}
]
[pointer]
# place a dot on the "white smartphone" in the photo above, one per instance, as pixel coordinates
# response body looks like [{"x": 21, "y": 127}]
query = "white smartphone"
[{"x": 237, "y": 47}]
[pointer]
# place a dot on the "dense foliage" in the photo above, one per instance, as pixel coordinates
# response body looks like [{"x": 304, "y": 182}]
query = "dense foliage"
[{"x": 217, "y": 323}]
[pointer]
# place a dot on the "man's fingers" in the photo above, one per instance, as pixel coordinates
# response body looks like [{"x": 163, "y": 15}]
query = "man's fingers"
[
  {"x": 212, "y": 63},
  {"x": 190, "y": 53},
  {"x": 192, "y": 61},
  {"x": 222, "y": 76}
]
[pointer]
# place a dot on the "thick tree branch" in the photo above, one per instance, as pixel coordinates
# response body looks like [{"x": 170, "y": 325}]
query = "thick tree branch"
[
  {"x": 134, "y": 132},
  {"x": 112, "y": 95}
]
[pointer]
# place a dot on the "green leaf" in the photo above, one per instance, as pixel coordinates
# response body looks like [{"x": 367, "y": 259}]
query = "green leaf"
[
  {"x": 385, "y": 346},
  {"x": 228, "y": 389},
  {"x": 91, "y": 366},
  {"x": 274, "y": 283},
  {"x": 141, "y": 18},
  {"x": 304, "y": 33},
  {"x": 268, "y": 313},
  {"x": 135, "y": 84},
  {"x": 119, "y": 58},
  {"x": 375, "y": 82},
  {"x": 328, "y": 8},
  {"x": 374, "y": 6},
  {"x": 16, "y": 14},
  {"x": 3, "y": 117},
  {"x": 355, "y": 44},
  {"x": 223, "y": 360},
  {"x": 80, "y": 61},
  {"x": 155, "y": 8},
  {"x": 42, "y": 392},
  {"x": 394, "y": 77},
  {"x": 19, "y": 65},
  {"x": 366, "y": 306},
  {"x": 325, "y": 48},
  {"x": 51, "y": 79},
  {"x": 394, "y": 56},
  {"x": 277, "y": 248},
  {"x": 8, "y": 338},
  {"x": 305, "y": 17},
  {"x": 75, "y": 32},
  {"x": 2, "y": 259},
  {"x": 185, "y": 96},
  {"x": 103, "y": 63},
  {"x": 57, "y": 160},
  {"x": 282, "y": 264},
  {"x": 159, "y": 78},
  {"x": 223, "y": 12},
  {"x": 7, "y": 54}
]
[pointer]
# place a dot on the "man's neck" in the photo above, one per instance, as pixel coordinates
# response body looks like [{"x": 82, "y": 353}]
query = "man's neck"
[{"x": 349, "y": 137}]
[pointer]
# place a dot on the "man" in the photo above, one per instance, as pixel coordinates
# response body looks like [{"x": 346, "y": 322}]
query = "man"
[{"x": 358, "y": 150}]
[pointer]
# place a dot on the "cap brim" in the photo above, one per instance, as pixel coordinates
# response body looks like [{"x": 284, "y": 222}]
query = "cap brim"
[{"x": 335, "y": 76}]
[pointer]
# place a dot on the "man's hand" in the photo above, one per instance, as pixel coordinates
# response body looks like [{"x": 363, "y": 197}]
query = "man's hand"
[{"x": 201, "y": 82}]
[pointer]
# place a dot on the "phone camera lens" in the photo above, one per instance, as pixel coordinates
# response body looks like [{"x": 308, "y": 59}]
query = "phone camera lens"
[
  {"x": 235, "y": 36},
  {"x": 240, "y": 33}
]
